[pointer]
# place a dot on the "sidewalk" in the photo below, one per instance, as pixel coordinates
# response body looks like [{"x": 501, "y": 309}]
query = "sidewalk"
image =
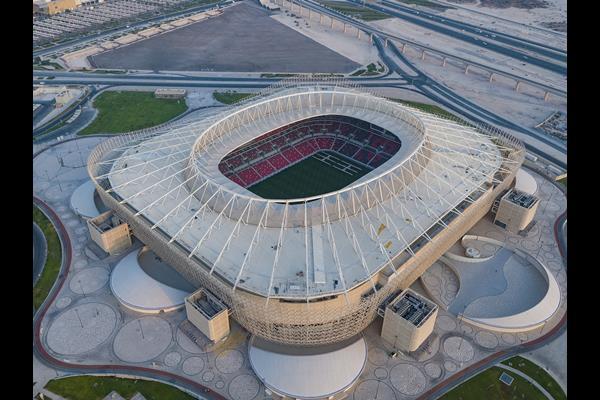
[{"x": 527, "y": 378}]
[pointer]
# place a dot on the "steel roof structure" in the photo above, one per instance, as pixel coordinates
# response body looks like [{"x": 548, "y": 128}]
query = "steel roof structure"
[{"x": 307, "y": 248}]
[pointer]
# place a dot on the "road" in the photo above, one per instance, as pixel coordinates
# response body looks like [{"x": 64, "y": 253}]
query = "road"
[
  {"x": 372, "y": 30},
  {"x": 461, "y": 105},
  {"x": 39, "y": 252},
  {"x": 410, "y": 75},
  {"x": 476, "y": 35}
]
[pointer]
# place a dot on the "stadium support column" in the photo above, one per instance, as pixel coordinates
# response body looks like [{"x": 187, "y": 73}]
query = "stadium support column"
[
  {"x": 344, "y": 28},
  {"x": 371, "y": 38},
  {"x": 403, "y": 47},
  {"x": 444, "y": 62},
  {"x": 320, "y": 19},
  {"x": 517, "y": 86},
  {"x": 309, "y": 14},
  {"x": 467, "y": 69},
  {"x": 423, "y": 54},
  {"x": 491, "y": 77},
  {"x": 358, "y": 33},
  {"x": 331, "y": 27},
  {"x": 546, "y": 96},
  {"x": 386, "y": 42}
]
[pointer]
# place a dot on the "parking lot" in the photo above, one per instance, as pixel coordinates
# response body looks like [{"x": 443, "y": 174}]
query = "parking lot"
[
  {"x": 91, "y": 17},
  {"x": 243, "y": 39}
]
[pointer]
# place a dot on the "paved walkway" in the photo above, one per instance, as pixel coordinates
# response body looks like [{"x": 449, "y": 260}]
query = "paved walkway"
[{"x": 527, "y": 378}]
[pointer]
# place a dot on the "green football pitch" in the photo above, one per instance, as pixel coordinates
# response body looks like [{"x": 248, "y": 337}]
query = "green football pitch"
[{"x": 317, "y": 174}]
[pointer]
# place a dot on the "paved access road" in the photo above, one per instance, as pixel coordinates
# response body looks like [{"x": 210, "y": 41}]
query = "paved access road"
[{"x": 39, "y": 252}]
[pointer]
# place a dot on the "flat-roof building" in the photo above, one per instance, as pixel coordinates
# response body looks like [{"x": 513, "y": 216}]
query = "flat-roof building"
[
  {"x": 515, "y": 210},
  {"x": 408, "y": 320}
]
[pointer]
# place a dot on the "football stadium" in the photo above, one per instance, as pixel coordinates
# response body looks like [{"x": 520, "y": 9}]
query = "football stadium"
[{"x": 307, "y": 208}]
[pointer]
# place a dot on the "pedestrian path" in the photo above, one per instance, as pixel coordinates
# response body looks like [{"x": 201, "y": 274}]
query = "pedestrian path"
[{"x": 528, "y": 379}]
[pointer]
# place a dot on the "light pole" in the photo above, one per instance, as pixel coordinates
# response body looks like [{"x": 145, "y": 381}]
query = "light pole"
[
  {"x": 81, "y": 287},
  {"x": 79, "y": 318},
  {"x": 141, "y": 329}
]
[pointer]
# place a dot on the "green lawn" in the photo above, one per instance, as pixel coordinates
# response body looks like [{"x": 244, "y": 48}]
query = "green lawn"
[
  {"x": 120, "y": 112},
  {"x": 98, "y": 387},
  {"x": 309, "y": 177},
  {"x": 53, "y": 260},
  {"x": 538, "y": 374},
  {"x": 355, "y": 11},
  {"x": 231, "y": 97},
  {"x": 486, "y": 386},
  {"x": 563, "y": 181}
]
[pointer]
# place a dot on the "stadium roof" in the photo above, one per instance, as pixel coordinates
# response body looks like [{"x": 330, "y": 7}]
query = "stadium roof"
[{"x": 310, "y": 247}]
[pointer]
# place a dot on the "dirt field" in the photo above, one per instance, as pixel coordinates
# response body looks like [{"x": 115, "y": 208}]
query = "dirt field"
[{"x": 243, "y": 39}]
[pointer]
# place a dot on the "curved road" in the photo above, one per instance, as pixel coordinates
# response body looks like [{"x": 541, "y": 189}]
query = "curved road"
[{"x": 39, "y": 252}]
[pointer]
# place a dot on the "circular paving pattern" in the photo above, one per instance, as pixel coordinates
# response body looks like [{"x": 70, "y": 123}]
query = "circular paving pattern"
[
  {"x": 219, "y": 384},
  {"x": 381, "y": 373},
  {"x": 81, "y": 328},
  {"x": 79, "y": 264},
  {"x": 450, "y": 366},
  {"x": 486, "y": 339},
  {"x": 431, "y": 280},
  {"x": 514, "y": 240},
  {"x": 407, "y": 379},
  {"x": 193, "y": 365},
  {"x": 142, "y": 339},
  {"x": 458, "y": 348},
  {"x": 243, "y": 387},
  {"x": 63, "y": 302},
  {"x": 496, "y": 235},
  {"x": 549, "y": 256},
  {"x": 530, "y": 245},
  {"x": 229, "y": 361},
  {"x": 554, "y": 265},
  {"x": 522, "y": 337},
  {"x": 446, "y": 323},
  {"x": 378, "y": 356},
  {"x": 466, "y": 329},
  {"x": 203, "y": 345},
  {"x": 433, "y": 370},
  {"x": 374, "y": 390},
  {"x": 89, "y": 280},
  {"x": 508, "y": 338},
  {"x": 208, "y": 376},
  {"x": 172, "y": 359}
]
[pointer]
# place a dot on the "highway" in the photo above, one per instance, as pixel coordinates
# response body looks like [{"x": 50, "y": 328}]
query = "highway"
[
  {"x": 448, "y": 98},
  {"x": 410, "y": 75},
  {"x": 371, "y": 30},
  {"x": 465, "y": 31}
]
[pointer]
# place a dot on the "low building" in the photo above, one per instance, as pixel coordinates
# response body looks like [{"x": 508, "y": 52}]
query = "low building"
[
  {"x": 208, "y": 314},
  {"x": 515, "y": 210},
  {"x": 109, "y": 232},
  {"x": 54, "y": 7},
  {"x": 408, "y": 321},
  {"x": 169, "y": 93}
]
